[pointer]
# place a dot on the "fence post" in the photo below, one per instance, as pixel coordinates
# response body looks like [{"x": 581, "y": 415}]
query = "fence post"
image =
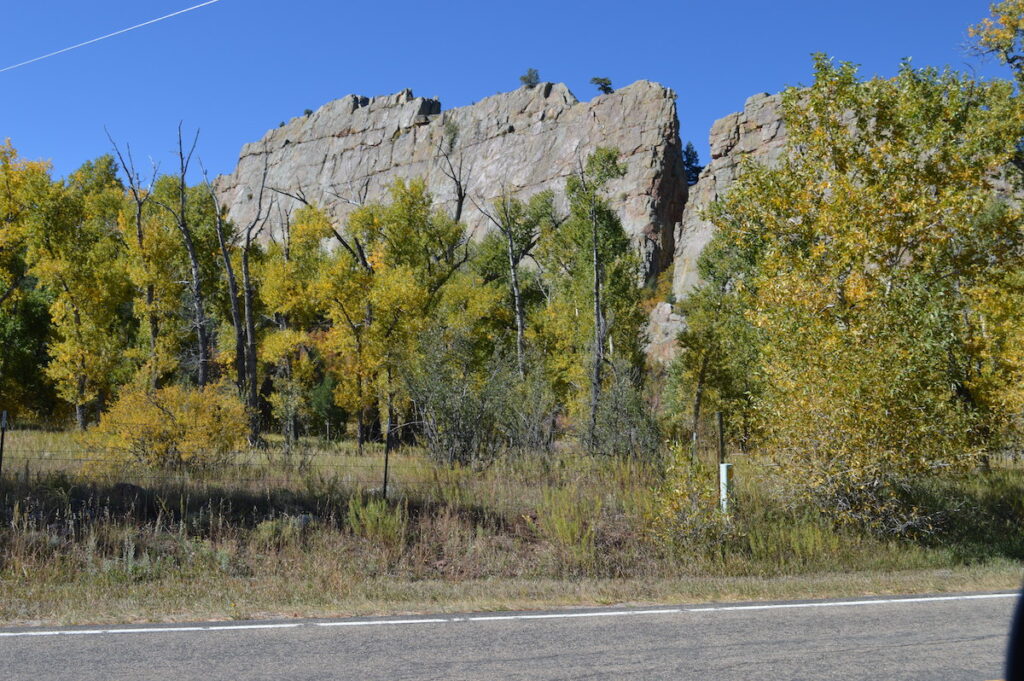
[
  {"x": 721, "y": 437},
  {"x": 384, "y": 491},
  {"x": 3, "y": 435},
  {"x": 724, "y": 469},
  {"x": 724, "y": 485}
]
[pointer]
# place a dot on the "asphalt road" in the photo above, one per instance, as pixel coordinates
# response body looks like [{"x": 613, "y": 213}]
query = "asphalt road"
[{"x": 942, "y": 638}]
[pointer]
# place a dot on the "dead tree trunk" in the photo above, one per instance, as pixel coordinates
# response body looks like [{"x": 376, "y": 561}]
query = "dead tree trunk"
[
  {"x": 233, "y": 295},
  {"x": 140, "y": 195},
  {"x": 453, "y": 168},
  {"x": 180, "y": 215}
]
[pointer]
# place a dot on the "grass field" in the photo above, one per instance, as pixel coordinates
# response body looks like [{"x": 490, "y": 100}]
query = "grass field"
[{"x": 309, "y": 535}]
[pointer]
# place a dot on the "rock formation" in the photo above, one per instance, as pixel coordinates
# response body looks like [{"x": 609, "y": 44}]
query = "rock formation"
[
  {"x": 757, "y": 133},
  {"x": 350, "y": 150}
]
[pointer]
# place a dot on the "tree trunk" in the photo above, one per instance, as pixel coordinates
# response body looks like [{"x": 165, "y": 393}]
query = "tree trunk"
[
  {"x": 595, "y": 377},
  {"x": 517, "y": 302},
  {"x": 252, "y": 395},
  {"x": 198, "y": 308},
  {"x": 181, "y": 218},
  {"x": 698, "y": 396},
  {"x": 236, "y": 314},
  {"x": 390, "y": 439},
  {"x": 80, "y": 413},
  {"x": 154, "y": 327}
]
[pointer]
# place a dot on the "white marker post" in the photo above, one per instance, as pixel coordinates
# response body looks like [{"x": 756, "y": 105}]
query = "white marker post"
[{"x": 724, "y": 484}]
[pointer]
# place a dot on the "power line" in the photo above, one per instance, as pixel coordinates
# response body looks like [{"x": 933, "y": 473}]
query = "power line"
[{"x": 109, "y": 35}]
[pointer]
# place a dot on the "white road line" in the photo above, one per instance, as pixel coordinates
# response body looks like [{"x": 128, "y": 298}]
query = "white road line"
[
  {"x": 147, "y": 630},
  {"x": 367, "y": 623},
  {"x": 232, "y": 627},
  {"x": 841, "y": 604},
  {"x": 501, "y": 618},
  {"x": 568, "y": 615}
]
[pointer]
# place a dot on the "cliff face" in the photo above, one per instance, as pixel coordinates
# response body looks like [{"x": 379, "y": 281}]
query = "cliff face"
[
  {"x": 350, "y": 150},
  {"x": 757, "y": 133}
]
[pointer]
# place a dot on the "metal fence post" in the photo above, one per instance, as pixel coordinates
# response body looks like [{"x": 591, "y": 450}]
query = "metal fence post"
[
  {"x": 724, "y": 469},
  {"x": 721, "y": 437},
  {"x": 3, "y": 435},
  {"x": 724, "y": 485}
]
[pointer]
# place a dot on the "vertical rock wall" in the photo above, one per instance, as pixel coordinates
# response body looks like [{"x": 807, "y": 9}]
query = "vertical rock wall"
[
  {"x": 350, "y": 150},
  {"x": 757, "y": 133}
]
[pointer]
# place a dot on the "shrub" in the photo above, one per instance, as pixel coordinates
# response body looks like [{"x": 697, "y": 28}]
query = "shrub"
[
  {"x": 687, "y": 512},
  {"x": 373, "y": 518},
  {"x": 531, "y": 421},
  {"x": 172, "y": 428},
  {"x": 462, "y": 412},
  {"x": 568, "y": 521},
  {"x": 626, "y": 425}
]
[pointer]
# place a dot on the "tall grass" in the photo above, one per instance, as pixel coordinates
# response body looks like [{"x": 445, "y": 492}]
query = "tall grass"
[{"x": 322, "y": 534}]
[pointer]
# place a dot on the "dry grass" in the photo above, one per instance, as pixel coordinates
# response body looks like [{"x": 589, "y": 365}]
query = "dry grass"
[{"x": 271, "y": 537}]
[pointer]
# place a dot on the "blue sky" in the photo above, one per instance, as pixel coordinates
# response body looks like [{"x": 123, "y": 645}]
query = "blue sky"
[{"x": 236, "y": 68}]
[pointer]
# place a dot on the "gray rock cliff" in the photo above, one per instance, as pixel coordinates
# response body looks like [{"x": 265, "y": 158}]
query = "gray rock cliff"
[
  {"x": 350, "y": 150},
  {"x": 757, "y": 133}
]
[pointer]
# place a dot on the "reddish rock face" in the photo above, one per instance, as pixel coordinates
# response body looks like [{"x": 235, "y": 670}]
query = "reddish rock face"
[{"x": 350, "y": 150}]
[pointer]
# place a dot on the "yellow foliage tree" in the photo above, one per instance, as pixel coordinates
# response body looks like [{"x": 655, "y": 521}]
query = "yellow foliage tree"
[
  {"x": 75, "y": 252},
  {"x": 379, "y": 288},
  {"x": 171, "y": 428},
  {"x": 885, "y": 283}
]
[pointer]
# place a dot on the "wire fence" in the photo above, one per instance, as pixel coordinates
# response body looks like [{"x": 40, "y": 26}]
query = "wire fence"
[
  {"x": 29, "y": 454},
  {"x": 311, "y": 467}
]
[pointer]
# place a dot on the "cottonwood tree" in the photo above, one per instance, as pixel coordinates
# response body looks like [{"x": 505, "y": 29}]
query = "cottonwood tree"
[
  {"x": 520, "y": 226},
  {"x": 591, "y": 263},
  {"x": 242, "y": 303},
  {"x": 20, "y": 183},
  {"x": 139, "y": 195},
  {"x": 885, "y": 264},
  {"x": 179, "y": 210},
  {"x": 1002, "y": 35},
  {"x": 25, "y": 326},
  {"x": 75, "y": 251},
  {"x": 379, "y": 289}
]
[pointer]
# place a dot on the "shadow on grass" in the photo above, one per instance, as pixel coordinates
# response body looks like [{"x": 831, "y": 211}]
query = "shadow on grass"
[
  {"x": 977, "y": 517},
  {"x": 61, "y": 501}
]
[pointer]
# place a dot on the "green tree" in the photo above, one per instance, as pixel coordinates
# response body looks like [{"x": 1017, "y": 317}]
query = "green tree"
[
  {"x": 719, "y": 348},
  {"x": 691, "y": 164},
  {"x": 604, "y": 85},
  {"x": 76, "y": 252},
  {"x": 25, "y": 327},
  {"x": 531, "y": 78},
  {"x": 520, "y": 226},
  {"x": 380, "y": 288},
  {"x": 590, "y": 263},
  {"x": 884, "y": 271}
]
